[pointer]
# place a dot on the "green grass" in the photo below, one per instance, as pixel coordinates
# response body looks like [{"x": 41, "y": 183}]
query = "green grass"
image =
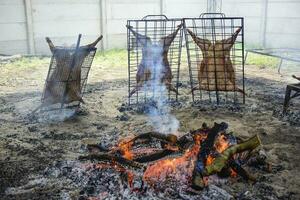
[
  {"x": 107, "y": 59},
  {"x": 117, "y": 58},
  {"x": 24, "y": 63},
  {"x": 111, "y": 59},
  {"x": 262, "y": 61}
]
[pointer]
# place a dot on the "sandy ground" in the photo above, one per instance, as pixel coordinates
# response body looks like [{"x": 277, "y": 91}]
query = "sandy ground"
[{"x": 27, "y": 146}]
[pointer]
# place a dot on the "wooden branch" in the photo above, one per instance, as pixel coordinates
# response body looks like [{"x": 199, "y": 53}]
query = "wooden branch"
[
  {"x": 241, "y": 171},
  {"x": 257, "y": 158},
  {"x": 222, "y": 160},
  {"x": 150, "y": 135},
  {"x": 154, "y": 156},
  {"x": 205, "y": 149},
  {"x": 112, "y": 157},
  {"x": 97, "y": 146}
]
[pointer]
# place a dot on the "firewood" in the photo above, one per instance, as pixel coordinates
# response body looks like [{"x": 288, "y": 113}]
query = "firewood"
[
  {"x": 112, "y": 158},
  {"x": 155, "y": 156},
  {"x": 222, "y": 159},
  {"x": 241, "y": 171},
  {"x": 170, "y": 138},
  {"x": 98, "y": 147},
  {"x": 183, "y": 142},
  {"x": 205, "y": 149}
]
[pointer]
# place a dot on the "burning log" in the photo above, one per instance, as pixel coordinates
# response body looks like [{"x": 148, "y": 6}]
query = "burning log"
[
  {"x": 155, "y": 156},
  {"x": 169, "y": 138},
  {"x": 98, "y": 147},
  {"x": 213, "y": 151},
  {"x": 153, "y": 55},
  {"x": 169, "y": 141},
  {"x": 205, "y": 150},
  {"x": 240, "y": 170},
  {"x": 222, "y": 159},
  {"x": 216, "y": 71},
  {"x": 112, "y": 158}
]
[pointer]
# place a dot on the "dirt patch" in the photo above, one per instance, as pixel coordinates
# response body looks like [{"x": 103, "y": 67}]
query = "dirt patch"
[{"x": 29, "y": 146}]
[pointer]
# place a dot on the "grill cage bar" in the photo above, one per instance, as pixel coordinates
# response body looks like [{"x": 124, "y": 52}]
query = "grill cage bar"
[
  {"x": 212, "y": 62},
  {"x": 155, "y": 28},
  {"x": 63, "y": 57}
]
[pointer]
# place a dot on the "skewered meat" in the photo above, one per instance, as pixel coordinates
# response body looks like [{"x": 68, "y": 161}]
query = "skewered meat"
[
  {"x": 216, "y": 71},
  {"x": 64, "y": 84},
  {"x": 154, "y": 54}
]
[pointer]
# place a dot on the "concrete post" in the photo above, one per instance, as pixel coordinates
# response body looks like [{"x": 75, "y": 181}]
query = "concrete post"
[
  {"x": 29, "y": 27},
  {"x": 162, "y": 4},
  {"x": 103, "y": 24},
  {"x": 264, "y": 23}
]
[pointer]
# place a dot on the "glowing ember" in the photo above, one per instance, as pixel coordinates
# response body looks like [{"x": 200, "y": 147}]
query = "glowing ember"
[
  {"x": 118, "y": 168},
  {"x": 209, "y": 160},
  {"x": 125, "y": 148},
  {"x": 179, "y": 169},
  {"x": 221, "y": 143}
]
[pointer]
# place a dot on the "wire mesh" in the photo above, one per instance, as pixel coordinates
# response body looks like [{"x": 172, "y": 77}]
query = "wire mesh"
[
  {"x": 67, "y": 77},
  {"x": 215, "y": 53},
  {"x": 145, "y": 37}
]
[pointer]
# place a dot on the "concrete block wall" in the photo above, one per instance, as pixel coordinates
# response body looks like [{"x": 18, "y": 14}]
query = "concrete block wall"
[{"x": 24, "y": 24}]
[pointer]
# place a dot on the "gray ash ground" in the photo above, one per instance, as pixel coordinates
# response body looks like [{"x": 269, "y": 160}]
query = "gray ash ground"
[
  {"x": 39, "y": 155},
  {"x": 76, "y": 181}
]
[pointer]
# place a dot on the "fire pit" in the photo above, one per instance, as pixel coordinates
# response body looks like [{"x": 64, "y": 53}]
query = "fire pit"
[{"x": 190, "y": 162}]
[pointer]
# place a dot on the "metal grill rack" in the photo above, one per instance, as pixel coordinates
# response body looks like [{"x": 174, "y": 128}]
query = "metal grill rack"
[
  {"x": 145, "y": 37},
  {"x": 67, "y": 77},
  {"x": 215, "y": 54}
]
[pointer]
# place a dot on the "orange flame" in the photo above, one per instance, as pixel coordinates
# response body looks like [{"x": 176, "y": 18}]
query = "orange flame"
[
  {"x": 233, "y": 173},
  {"x": 181, "y": 168},
  {"x": 125, "y": 148},
  {"x": 221, "y": 143},
  {"x": 209, "y": 160}
]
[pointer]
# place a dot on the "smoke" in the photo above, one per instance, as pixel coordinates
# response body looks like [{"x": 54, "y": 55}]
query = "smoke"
[{"x": 159, "y": 114}]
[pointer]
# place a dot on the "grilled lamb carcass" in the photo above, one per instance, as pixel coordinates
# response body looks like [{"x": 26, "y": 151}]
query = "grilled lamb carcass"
[
  {"x": 216, "y": 72},
  {"x": 153, "y": 55},
  {"x": 64, "y": 83}
]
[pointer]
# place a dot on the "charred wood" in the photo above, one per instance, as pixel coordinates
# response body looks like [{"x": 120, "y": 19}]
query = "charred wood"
[
  {"x": 241, "y": 171},
  {"x": 112, "y": 158},
  {"x": 154, "y": 156},
  {"x": 99, "y": 147},
  {"x": 222, "y": 160},
  {"x": 205, "y": 149}
]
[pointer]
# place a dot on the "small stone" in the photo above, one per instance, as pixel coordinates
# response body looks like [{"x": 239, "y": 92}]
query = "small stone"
[
  {"x": 122, "y": 109},
  {"x": 123, "y": 117},
  {"x": 262, "y": 131},
  {"x": 90, "y": 190},
  {"x": 32, "y": 128}
]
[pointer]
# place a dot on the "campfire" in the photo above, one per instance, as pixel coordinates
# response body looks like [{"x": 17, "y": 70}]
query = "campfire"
[{"x": 193, "y": 159}]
